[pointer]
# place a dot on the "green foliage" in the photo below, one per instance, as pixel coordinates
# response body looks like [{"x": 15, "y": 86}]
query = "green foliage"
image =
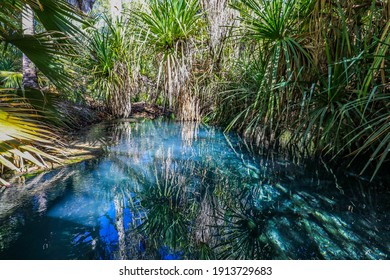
[
  {"x": 170, "y": 27},
  {"x": 24, "y": 135},
  {"x": 373, "y": 132},
  {"x": 11, "y": 79},
  {"x": 114, "y": 64},
  {"x": 50, "y": 50},
  {"x": 340, "y": 118},
  {"x": 315, "y": 68},
  {"x": 10, "y": 59},
  {"x": 21, "y": 130},
  {"x": 277, "y": 26},
  {"x": 259, "y": 99},
  {"x": 167, "y": 23}
]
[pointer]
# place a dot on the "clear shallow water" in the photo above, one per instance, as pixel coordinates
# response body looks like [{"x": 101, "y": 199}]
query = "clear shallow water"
[{"x": 181, "y": 191}]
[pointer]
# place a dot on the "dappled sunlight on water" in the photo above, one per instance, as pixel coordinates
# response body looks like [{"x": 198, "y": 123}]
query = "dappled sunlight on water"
[{"x": 166, "y": 190}]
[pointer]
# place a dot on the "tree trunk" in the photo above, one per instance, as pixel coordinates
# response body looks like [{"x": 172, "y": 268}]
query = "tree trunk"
[
  {"x": 30, "y": 77},
  {"x": 187, "y": 96},
  {"x": 119, "y": 102},
  {"x": 188, "y": 106},
  {"x": 84, "y": 5},
  {"x": 220, "y": 17}
]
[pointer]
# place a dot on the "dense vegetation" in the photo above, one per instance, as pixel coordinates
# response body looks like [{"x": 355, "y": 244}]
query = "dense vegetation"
[{"x": 312, "y": 73}]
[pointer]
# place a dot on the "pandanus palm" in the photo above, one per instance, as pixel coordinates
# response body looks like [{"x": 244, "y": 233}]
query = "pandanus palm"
[
  {"x": 169, "y": 26},
  {"x": 348, "y": 106},
  {"x": 274, "y": 54},
  {"x": 21, "y": 128},
  {"x": 114, "y": 62}
]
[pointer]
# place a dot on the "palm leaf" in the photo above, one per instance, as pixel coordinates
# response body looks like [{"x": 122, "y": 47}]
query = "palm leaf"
[
  {"x": 21, "y": 129},
  {"x": 51, "y": 51}
]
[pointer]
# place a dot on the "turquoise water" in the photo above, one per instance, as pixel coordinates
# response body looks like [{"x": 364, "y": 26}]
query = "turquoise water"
[{"x": 164, "y": 190}]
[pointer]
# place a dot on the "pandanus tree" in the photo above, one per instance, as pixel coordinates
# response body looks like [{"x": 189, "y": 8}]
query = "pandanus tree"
[
  {"x": 170, "y": 27},
  {"x": 23, "y": 134},
  {"x": 113, "y": 63},
  {"x": 316, "y": 72},
  {"x": 272, "y": 52}
]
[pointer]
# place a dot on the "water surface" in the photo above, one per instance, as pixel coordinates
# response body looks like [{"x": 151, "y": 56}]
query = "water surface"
[{"x": 165, "y": 190}]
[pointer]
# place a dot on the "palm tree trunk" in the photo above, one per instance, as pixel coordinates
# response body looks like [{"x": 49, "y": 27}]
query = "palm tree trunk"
[
  {"x": 120, "y": 100},
  {"x": 30, "y": 77},
  {"x": 188, "y": 106}
]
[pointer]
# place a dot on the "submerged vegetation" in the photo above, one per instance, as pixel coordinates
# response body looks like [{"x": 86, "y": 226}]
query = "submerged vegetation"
[{"x": 304, "y": 73}]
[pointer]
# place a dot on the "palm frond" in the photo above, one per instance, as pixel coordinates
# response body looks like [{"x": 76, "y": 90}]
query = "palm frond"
[
  {"x": 52, "y": 50},
  {"x": 21, "y": 132},
  {"x": 49, "y": 55}
]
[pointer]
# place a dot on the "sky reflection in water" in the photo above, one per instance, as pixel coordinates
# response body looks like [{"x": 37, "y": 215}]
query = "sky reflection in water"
[{"x": 165, "y": 190}]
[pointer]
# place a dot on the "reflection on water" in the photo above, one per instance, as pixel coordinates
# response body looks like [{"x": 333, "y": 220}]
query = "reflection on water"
[{"x": 184, "y": 191}]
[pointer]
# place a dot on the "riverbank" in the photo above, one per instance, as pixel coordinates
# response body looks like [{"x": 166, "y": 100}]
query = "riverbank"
[{"x": 79, "y": 142}]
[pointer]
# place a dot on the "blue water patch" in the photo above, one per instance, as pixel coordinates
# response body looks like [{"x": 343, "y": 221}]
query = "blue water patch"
[{"x": 166, "y": 190}]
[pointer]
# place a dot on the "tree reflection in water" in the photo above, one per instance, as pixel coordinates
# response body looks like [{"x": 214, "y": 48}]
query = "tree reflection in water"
[{"x": 167, "y": 190}]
